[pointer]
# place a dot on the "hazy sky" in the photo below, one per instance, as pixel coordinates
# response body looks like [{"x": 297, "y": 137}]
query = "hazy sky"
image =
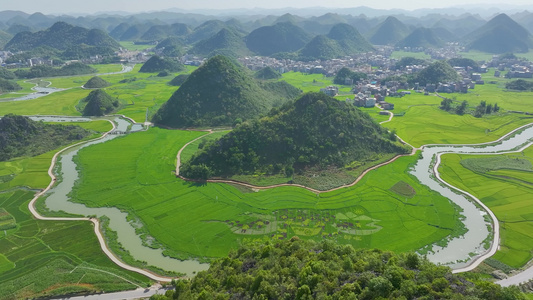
[{"x": 91, "y": 6}]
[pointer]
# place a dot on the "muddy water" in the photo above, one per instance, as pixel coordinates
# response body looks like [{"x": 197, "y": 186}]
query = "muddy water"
[{"x": 58, "y": 200}]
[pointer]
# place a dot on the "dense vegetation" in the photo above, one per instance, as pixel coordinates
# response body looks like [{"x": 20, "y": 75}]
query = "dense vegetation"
[
  {"x": 281, "y": 89},
  {"x": 463, "y": 62},
  {"x": 439, "y": 71},
  {"x": 225, "y": 40},
  {"x": 217, "y": 93},
  {"x": 519, "y": 85},
  {"x": 321, "y": 47},
  {"x": 21, "y": 136},
  {"x": 349, "y": 39},
  {"x": 6, "y": 74},
  {"x": 171, "y": 47},
  {"x": 158, "y": 64},
  {"x": 178, "y": 80},
  {"x": 99, "y": 103},
  {"x": 267, "y": 73},
  {"x": 77, "y": 41},
  {"x": 316, "y": 131},
  {"x": 345, "y": 73},
  {"x": 501, "y": 34},
  {"x": 297, "y": 269},
  {"x": 281, "y": 37},
  {"x": 8, "y": 86},
  {"x": 389, "y": 32},
  {"x": 408, "y": 61},
  {"x": 96, "y": 83},
  {"x": 75, "y": 68}
]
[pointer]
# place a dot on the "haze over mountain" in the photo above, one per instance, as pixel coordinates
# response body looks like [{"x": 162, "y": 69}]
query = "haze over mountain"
[
  {"x": 61, "y": 36},
  {"x": 501, "y": 34},
  {"x": 226, "y": 41},
  {"x": 421, "y": 37},
  {"x": 281, "y": 37},
  {"x": 389, "y": 32}
]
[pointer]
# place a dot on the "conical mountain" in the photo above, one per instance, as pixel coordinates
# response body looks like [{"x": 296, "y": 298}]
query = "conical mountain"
[
  {"x": 217, "y": 93},
  {"x": 421, "y": 37},
  {"x": 96, "y": 83},
  {"x": 501, "y": 34},
  {"x": 321, "y": 47},
  {"x": 267, "y": 73},
  {"x": 389, "y": 32},
  {"x": 226, "y": 41},
  {"x": 315, "y": 131},
  {"x": 281, "y": 37},
  {"x": 159, "y": 64},
  {"x": 119, "y": 30},
  {"x": 99, "y": 103},
  {"x": 289, "y": 18},
  {"x": 350, "y": 40},
  {"x": 4, "y": 38},
  {"x": 205, "y": 30}
]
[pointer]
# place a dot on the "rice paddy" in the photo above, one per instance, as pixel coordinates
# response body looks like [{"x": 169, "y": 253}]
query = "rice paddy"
[{"x": 505, "y": 184}]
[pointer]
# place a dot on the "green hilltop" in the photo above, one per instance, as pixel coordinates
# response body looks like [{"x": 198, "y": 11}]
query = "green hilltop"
[
  {"x": 178, "y": 80},
  {"x": 439, "y": 71},
  {"x": 281, "y": 37},
  {"x": 500, "y": 35},
  {"x": 61, "y": 36},
  {"x": 159, "y": 64},
  {"x": 217, "y": 93},
  {"x": 21, "y": 136},
  {"x": 421, "y": 37},
  {"x": 349, "y": 39},
  {"x": 299, "y": 269},
  {"x": 171, "y": 47},
  {"x": 389, "y": 32},
  {"x": 267, "y": 73},
  {"x": 321, "y": 47},
  {"x": 99, "y": 103},
  {"x": 96, "y": 83},
  {"x": 225, "y": 40},
  {"x": 314, "y": 132}
]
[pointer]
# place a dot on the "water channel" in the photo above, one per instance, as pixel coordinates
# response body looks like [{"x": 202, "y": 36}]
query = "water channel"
[
  {"x": 456, "y": 254},
  {"x": 58, "y": 200}
]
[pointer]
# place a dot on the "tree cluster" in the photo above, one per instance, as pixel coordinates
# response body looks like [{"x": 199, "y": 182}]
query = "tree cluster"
[
  {"x": 158, "y": 64},
  {"x": 48, "y": 71},
  {"x": 519, "y": 85},
  {"x": 485, "y": 109},
  {"x": 316, "y": 131},
  {"x": 297, "y": 269},
  {"x": 21, "y": 136},
  {"x": 346, "y": 73}
]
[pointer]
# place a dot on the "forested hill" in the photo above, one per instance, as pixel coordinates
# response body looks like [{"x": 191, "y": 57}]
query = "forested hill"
[
  {"x": 297, "y": 269},
  {"x": 217, "y": 93},
  {"x": 315, "y": 131},
  {"x": 61, "y": 36},
  {"x": 21, "y": 136}
]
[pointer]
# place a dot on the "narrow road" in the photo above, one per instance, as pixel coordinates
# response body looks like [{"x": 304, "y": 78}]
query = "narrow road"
[
  {"x": 101, "y": 240},
  {"x": 135, "y": 294}
]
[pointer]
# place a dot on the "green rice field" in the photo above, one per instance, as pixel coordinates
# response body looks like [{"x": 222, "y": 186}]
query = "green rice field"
[
  {"x": 136, "y": 172},
  {"x": 505, "y": 184},
  {"x": 32, "y": 251}
]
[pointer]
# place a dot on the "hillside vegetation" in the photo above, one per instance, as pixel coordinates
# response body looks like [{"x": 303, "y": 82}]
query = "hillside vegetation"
[
  {"x": 99, "y": 103},
  {"x": 500, "y": 35},
  {"x": 8, "y": 86},
  {"x": 159, "y": 64},
  {"x": 421, "y": 37},
  {"x": 62, "y": 36},
  {"x": 72, "y": 69},
  {"x": 225, "y": 40},
  {"x": 96, "y": 83},
  {"x": 315, "y": 131},
  {"x": 267, "y": 73},
  {"x": 21, "y": 136},
  {"x": 297, "y": 269},
  {"x": 281, "y": 37},
  {"x": 217, "y": 93},
  {"x": 439, "y": 71},
  {"x": 389, "y": 32}
]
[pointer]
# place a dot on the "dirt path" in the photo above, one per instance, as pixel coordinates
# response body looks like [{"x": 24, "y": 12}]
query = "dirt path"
[{"x": 96, "y": 223}]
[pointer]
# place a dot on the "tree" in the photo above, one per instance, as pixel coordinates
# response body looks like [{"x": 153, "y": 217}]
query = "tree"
[
  {"x": 446, "y": 104},
  {"x": 460, "y": 110}
]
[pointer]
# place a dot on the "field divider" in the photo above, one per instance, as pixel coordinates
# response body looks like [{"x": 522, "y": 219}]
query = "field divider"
[{"x": 95, "y": 221}]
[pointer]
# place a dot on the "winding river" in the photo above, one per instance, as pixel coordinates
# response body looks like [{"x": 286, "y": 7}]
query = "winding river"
[
  {"x": 58, "y": 200},
  {"x": 461, "y": 253}
]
